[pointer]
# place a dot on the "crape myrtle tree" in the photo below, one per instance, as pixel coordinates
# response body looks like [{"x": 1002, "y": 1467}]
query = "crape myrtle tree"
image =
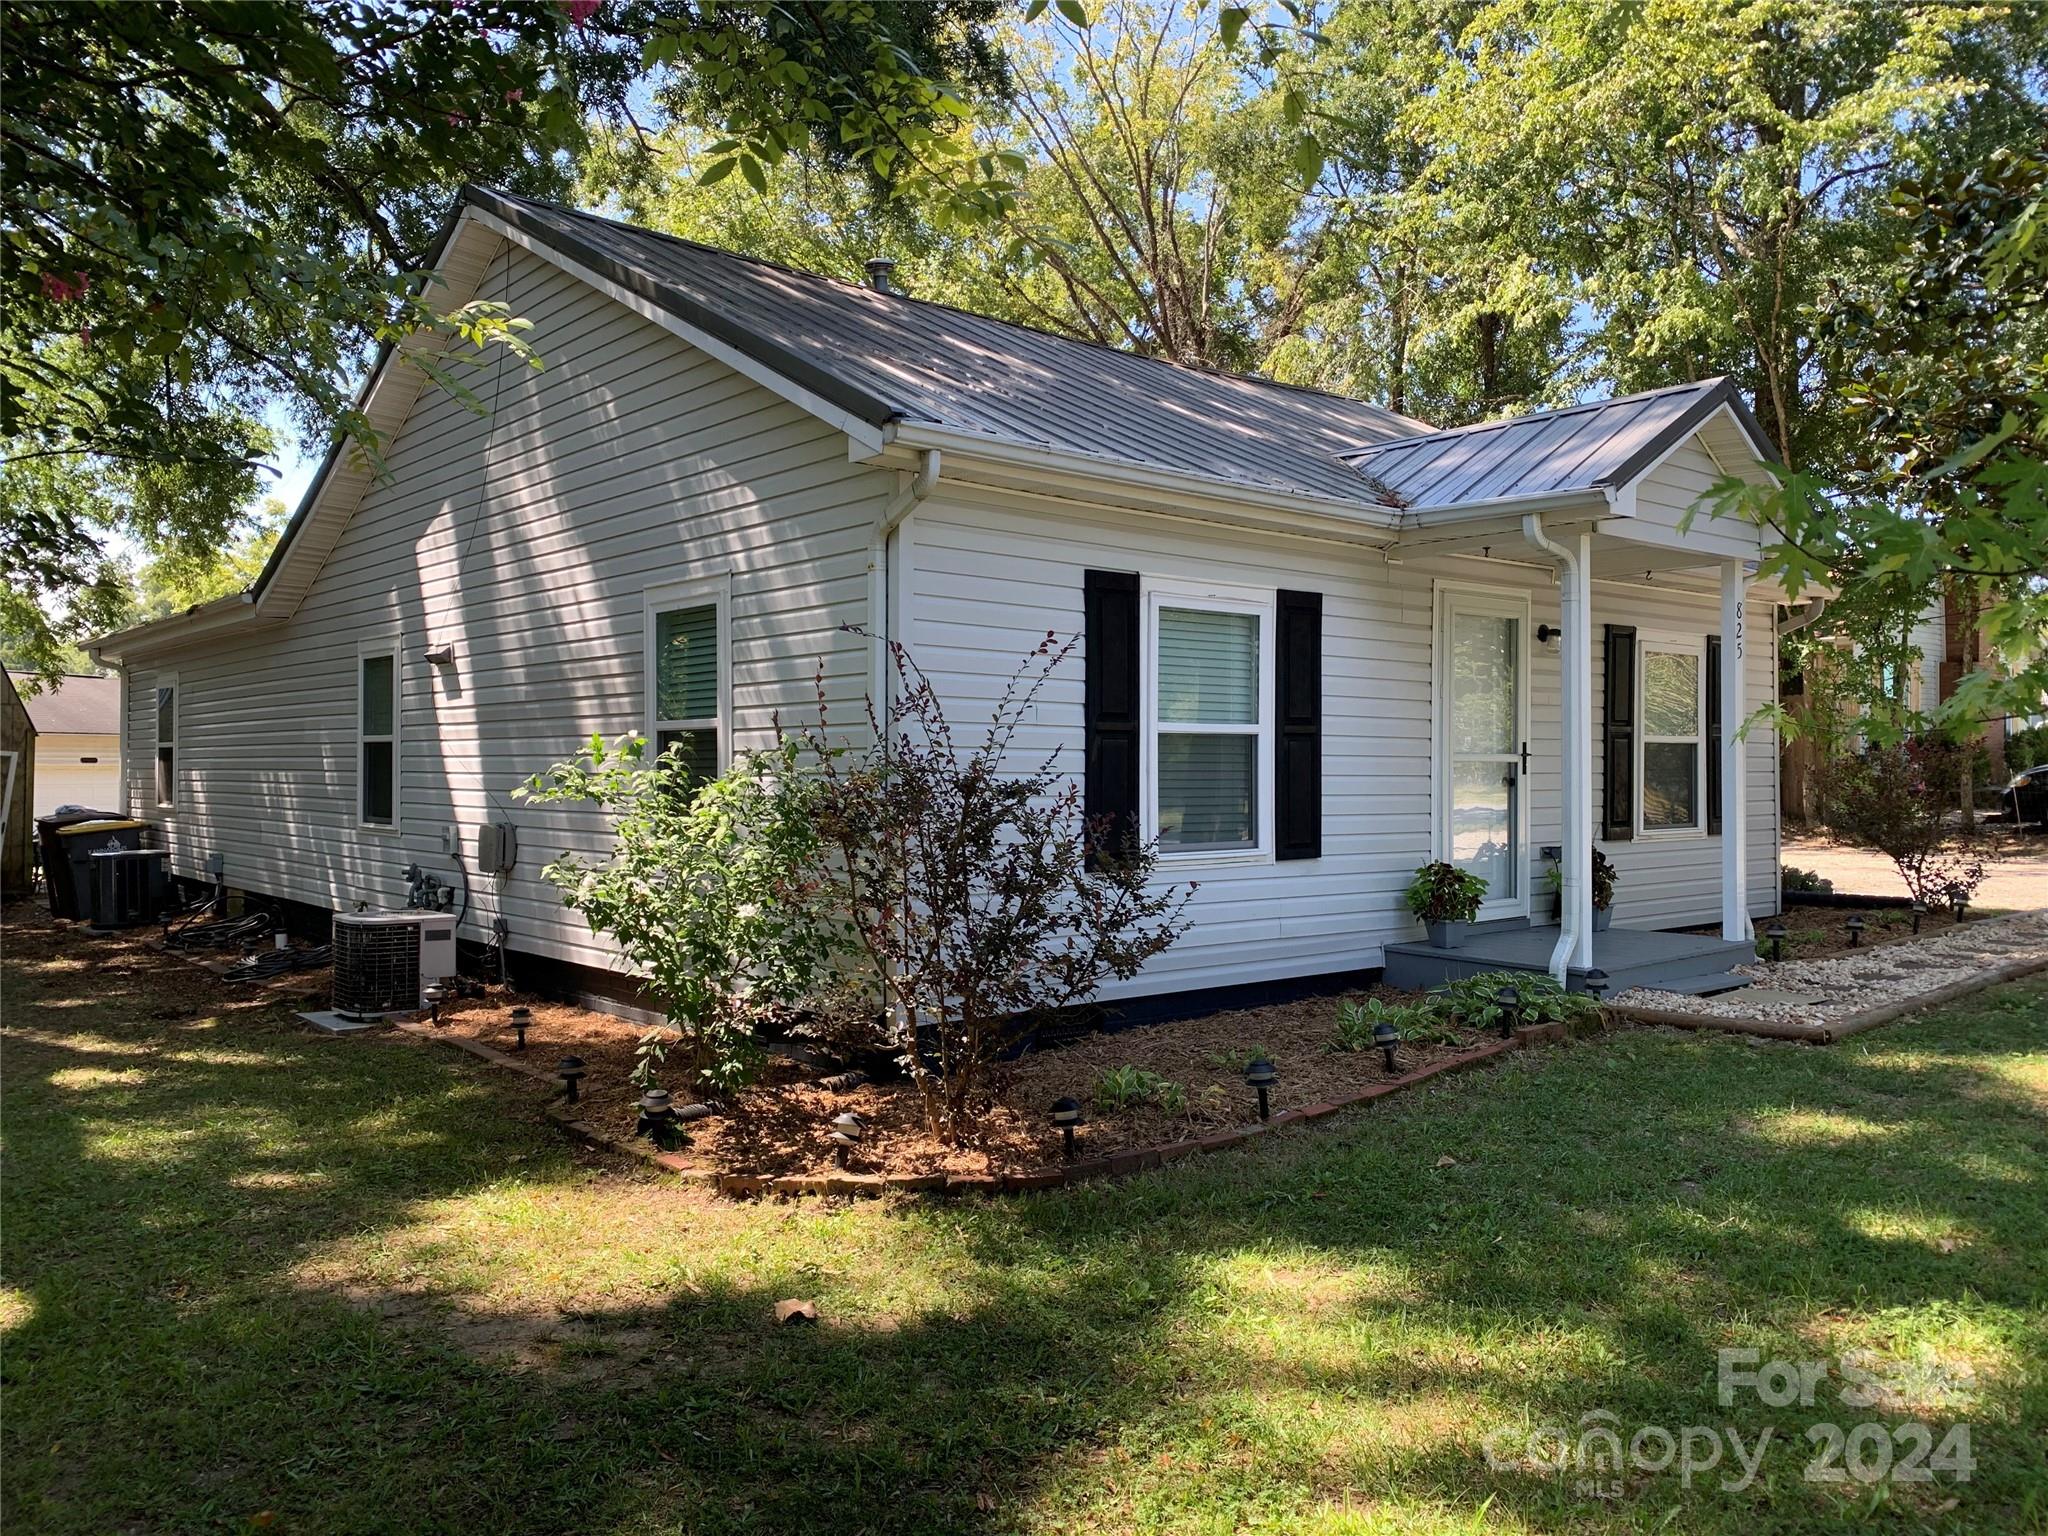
[
  {"x": 217, "y": 212},
  {"x": 976, "y": 888}
]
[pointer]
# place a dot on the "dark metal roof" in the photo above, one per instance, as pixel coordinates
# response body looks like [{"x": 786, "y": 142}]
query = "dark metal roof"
[
  {"x": 1579, "y": 448},
  {"x": 889, "y": 357}
]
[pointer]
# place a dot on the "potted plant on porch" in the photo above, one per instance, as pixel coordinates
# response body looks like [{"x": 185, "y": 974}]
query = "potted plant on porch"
[
  {"x": 1446, "y": 898},
  {"x": 1603, "y": 891}
]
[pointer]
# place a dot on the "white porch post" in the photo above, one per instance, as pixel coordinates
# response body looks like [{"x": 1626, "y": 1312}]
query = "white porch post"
[
  {"x": 1735, "y": 923},
  {"x": 1576, "y": 661}
]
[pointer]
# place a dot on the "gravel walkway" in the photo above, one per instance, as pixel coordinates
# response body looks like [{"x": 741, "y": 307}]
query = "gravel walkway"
[{"x": 1829, "y": 991}]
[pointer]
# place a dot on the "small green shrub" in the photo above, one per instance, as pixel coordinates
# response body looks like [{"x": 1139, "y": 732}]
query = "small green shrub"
[
  {"x": 1238, "y": 1058},
  {"x": 1444, "y": 893},
  {"x": 1793, "y": 878},
  {"x": 1126, "y": 1087},
  {"x": 1419, "y": 1021},
  {"x": 2026, "y": 749},
  {"x": 1543, "y": 1000}
]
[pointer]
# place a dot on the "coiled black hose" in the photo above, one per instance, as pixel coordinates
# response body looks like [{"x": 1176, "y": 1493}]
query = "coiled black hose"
[{"x": 277, "y": 962}]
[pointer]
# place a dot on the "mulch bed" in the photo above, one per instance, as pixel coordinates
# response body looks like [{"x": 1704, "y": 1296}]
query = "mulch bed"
[{"x": 779, "y": 1126}]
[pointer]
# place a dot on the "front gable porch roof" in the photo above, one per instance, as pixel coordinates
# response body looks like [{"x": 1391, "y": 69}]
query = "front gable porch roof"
[{"x": 1594, "y": 448}]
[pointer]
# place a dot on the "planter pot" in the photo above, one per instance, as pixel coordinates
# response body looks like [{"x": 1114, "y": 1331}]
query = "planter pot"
[
  {"x": 1602, "y": 916},
  {"x": 1447, "y": 935}
]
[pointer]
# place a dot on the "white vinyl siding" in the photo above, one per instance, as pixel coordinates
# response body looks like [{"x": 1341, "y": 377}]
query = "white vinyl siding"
[
  {"x": 525, "y": 542},
  {"x": 994, "y": 571}
]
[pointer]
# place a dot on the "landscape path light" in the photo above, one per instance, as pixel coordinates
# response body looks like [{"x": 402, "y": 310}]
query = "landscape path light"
[
  {"x": 846, "y": 1132},
  {"x": 1066, "y": 1114},
  {"x": 1509, "y": 1001},
  {"x": 522, "y": 1021},
  {"x": 1776, "y": 934},
  {"x": 571, "y": 1070},
  {"x": 1386, "y": 1037},
  {"x": 1261, "y": 1076}
]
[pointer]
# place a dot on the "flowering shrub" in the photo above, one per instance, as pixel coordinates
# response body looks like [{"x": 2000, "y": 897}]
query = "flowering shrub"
[
  {"x": 709, "y": 889},
  {"x": 1895, "y": 798}
]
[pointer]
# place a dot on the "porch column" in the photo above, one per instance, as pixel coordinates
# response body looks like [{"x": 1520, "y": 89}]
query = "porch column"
[
  {"x": 1735, "y": 923},
  {"x": 1575, "y": 590}
]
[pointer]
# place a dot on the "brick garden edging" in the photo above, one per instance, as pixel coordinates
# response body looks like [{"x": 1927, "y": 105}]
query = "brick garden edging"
[{"x": 1116, "y": 1165}]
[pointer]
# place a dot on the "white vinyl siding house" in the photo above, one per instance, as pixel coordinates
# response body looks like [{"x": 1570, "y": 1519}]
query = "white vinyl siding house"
[
  {"x": 526, "y": 543},
  {"x": 676, "y": 527}
]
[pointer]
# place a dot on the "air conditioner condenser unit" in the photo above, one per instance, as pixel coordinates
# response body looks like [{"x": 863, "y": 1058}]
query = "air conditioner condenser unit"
[{"x": 383, "y": 960}]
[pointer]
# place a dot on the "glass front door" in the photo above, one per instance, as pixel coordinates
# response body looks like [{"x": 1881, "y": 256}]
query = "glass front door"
[{"x": 1483, "y": 754}]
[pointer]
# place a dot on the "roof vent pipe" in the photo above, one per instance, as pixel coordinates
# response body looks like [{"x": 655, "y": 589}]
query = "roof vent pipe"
[{"x": 882, "y": 274}]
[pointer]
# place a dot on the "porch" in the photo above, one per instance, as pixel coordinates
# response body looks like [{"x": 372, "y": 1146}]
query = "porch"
[
  {"x": 1650, "y": 711},
  {"x": 1692, "y": 963}
]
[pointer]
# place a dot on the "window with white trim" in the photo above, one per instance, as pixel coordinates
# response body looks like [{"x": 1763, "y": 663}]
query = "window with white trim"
[
  {"x": 1209, "y": 715},
  {"x": 377, "y": 738},
  {"x": 686, "y": 672},
  {"x": 1672, "y": 757},
  {"x": 167, "y": 740}
]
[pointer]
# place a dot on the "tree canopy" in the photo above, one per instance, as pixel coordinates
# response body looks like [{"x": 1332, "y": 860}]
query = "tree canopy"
[
  {"x": 219, "y": 209},
  {"x": 1461, "y": 208}
]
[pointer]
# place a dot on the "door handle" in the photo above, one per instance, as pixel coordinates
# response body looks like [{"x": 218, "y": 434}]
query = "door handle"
[{"x": 1525, "y": 757}]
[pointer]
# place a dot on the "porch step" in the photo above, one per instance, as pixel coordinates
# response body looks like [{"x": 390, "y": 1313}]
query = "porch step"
[
  {"x": 1696, "y": 964},
  {"x": 1697, "y": 986}
]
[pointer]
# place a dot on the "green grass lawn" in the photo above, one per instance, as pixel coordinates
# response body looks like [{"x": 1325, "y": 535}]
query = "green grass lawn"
[{"x": 259, "y": 1280}]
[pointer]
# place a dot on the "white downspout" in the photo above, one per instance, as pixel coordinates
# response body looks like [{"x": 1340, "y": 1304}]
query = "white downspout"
[
  {"x": 1802, "y": 616},
  {"x": 1575, "y": 654},
  {"x": 883, "y": 617}
]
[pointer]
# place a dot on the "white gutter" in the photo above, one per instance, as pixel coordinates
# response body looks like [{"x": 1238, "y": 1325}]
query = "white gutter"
[
  {"x": 884, "y": 619},
  {"x": 174, "y": 629},
  {"x": 1575, "y": 908},
  {"x": 1366, "y": 516},
  {"x": 1452, "y": 514}
]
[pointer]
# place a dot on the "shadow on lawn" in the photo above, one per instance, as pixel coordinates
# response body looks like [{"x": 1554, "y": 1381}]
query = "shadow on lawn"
[{"x": 1327, "y": 1323}]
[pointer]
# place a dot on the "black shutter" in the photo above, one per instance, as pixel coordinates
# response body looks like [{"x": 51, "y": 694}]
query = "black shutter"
[
  {"x": 1713, "y": 733},
  {"x": 1298, "y": 733},
  {"x": 1111, "y": 709},
  {"x": 1618, "y": 737}
]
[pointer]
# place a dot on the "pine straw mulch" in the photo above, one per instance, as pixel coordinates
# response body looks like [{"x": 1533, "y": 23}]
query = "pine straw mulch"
[
  {"x": 131, "y": 964},
  {"x": 779, "y": 1125}
]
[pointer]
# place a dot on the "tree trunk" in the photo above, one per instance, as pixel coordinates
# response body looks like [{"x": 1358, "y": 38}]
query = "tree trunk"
[{"x": 1491, "y": 329}]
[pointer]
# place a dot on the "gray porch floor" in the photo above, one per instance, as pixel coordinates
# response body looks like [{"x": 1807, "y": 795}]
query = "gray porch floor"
[{"x": 1631, "y": 957}]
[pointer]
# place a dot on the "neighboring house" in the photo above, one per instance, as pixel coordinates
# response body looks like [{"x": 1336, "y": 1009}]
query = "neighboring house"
[
  {"x": 17, "y": 786},
  {"x": 1945, "y": 652},
  {"x": 78, "y": 743},
  {"x": 1322, "y": 643}
]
